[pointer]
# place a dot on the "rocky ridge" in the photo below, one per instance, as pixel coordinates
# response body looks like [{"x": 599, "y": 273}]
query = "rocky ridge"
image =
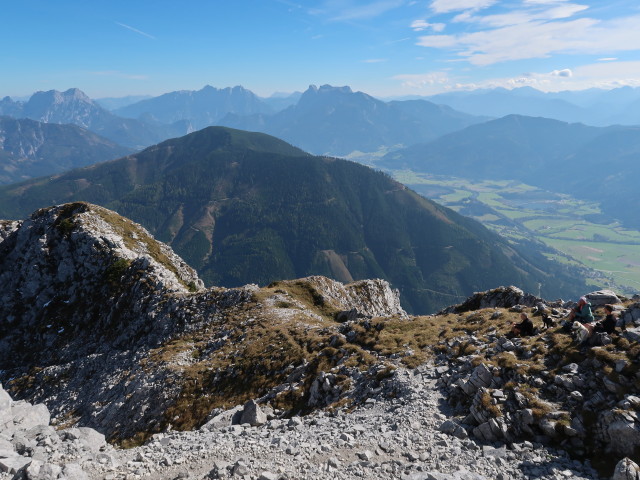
[
  {"x": 122, "y": 336},
  {"x": 582, "y": 398},
  {"x": 305, "y": 378}
]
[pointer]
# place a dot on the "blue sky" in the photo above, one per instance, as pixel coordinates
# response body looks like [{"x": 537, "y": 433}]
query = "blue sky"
[{"x": 381, "y": 47}]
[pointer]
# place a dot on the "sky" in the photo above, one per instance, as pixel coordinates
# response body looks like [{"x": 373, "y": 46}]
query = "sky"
[{"x": 384, "y": 48}]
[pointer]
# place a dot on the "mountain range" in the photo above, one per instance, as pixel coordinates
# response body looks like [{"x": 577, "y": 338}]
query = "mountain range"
[
  {"x": 31, "y": 149},
  {"x": 592, "y": 163},
  {"x": 74, "y": 107},
  {"x": 338, "y": 121},
  {"x": 593, "y": 106},
  {"x": 333, "y": 120},
  {"x": 200, "y": 108},
  {"x": 245, "y": 207}
]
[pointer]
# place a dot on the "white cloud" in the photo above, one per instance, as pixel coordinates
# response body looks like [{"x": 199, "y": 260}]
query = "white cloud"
[
  {"x": 375, "y": 60},
  {"x": 544, "y": 2},
  {"x": 596, "y": 75},
  {"x": 421, "y": 81},
  {"x": 623, "y": 70},
  {"x": 541, "y": 39},
  {"x": 519, "y": 17},
  {"x": 420, "y": 25},
  {"x": 608, "y": 59},
  {"x": 446, "y": 6},
  {"x": 565, "y": 72}
]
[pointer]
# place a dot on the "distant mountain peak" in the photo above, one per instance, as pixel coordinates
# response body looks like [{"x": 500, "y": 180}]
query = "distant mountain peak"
[
  {"x": 329, "y": 89},
  {"x": 78, "y": 94},
  {"x": 59, "y": 97}
]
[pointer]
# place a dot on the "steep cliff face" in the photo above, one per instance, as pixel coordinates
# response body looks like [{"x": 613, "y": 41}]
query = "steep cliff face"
[{"x": 112, "y": 330}]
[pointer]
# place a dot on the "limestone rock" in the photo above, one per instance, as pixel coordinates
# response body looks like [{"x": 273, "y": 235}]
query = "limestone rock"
[
  {"x": 452, "y": 428},
  {"x": 504, "y": 297},
  {"x": 14, "y": 464},
  {"x": 481, "y": 377},
  {"x": 87, "y": 437},
  {"x": 622, "y": 432},
  {"x": 626, "y": 469},
  {"x": 224, "y": 418},
  {"x": 253, "y": 414},
  {"x": 602, "y": 297}
]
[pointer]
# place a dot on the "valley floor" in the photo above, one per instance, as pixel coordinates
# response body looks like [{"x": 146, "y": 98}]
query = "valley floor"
[{"x": 386, "y": 438}]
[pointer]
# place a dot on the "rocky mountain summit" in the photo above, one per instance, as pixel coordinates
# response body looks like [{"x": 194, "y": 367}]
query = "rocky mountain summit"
[
  {"x": 74, "y": 107},
  {"x": 307, "y": 378}
]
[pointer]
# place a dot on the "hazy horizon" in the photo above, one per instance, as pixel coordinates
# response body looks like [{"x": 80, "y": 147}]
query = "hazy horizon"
[
  {"x": 276, "y": 94},
  {"x": 384, "y": 47}
]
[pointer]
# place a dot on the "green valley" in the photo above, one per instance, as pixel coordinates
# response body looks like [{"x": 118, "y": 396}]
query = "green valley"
[{"x": 578, "y": 230}]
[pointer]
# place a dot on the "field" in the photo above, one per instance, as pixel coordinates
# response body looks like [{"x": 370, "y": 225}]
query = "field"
[{"x": 577, "y": 230}]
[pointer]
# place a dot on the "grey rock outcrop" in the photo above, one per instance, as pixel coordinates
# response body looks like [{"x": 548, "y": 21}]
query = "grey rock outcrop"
[
  {"x": 602, "y": 297},
  {"x": 503, "y": 297},
  {"x": 581, "y": 405},
  {"x": 253, "y": 414},
  {"x": 31, "y": 449},
  {"x": 105, "y": 309},
  {"x": 626, "y": 469},
  {"x": 363, "y": 298}
]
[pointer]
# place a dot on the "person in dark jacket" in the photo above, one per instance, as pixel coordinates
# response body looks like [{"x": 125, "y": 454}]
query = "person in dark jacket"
[
  {"x": 524, "y": 328},
  {"x": 608, "y": 325}
]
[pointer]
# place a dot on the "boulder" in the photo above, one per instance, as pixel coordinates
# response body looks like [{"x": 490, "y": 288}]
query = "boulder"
[
  {"x": 73, "y": 471},
  {"x": 38, "y": 470},
  {"x": 602, "y": 297},
  {"x": 224, "y": 419},
  {"x": 481, "y": 377},
  {"x": 632, "y": 334},
  {"x": 253, "y": 415},
  {"x": 14, "y": 464},
  {"x": 89, "y": 438},
  {"x": 621, "y": 432},
  {"x": 502, "y": 297},
  {"x": 452, "y": 428},
  {"x": 626, "y": 470},
  {"x": 631, "y": 316},
  {"x": 22, "y": 415}
]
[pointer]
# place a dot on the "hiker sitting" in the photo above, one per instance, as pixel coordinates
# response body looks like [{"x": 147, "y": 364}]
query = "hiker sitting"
[
  {"x": 524, "y": 328},
  {"x": 608, "y": 325},
  {"x": 581, "y": 312}
]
